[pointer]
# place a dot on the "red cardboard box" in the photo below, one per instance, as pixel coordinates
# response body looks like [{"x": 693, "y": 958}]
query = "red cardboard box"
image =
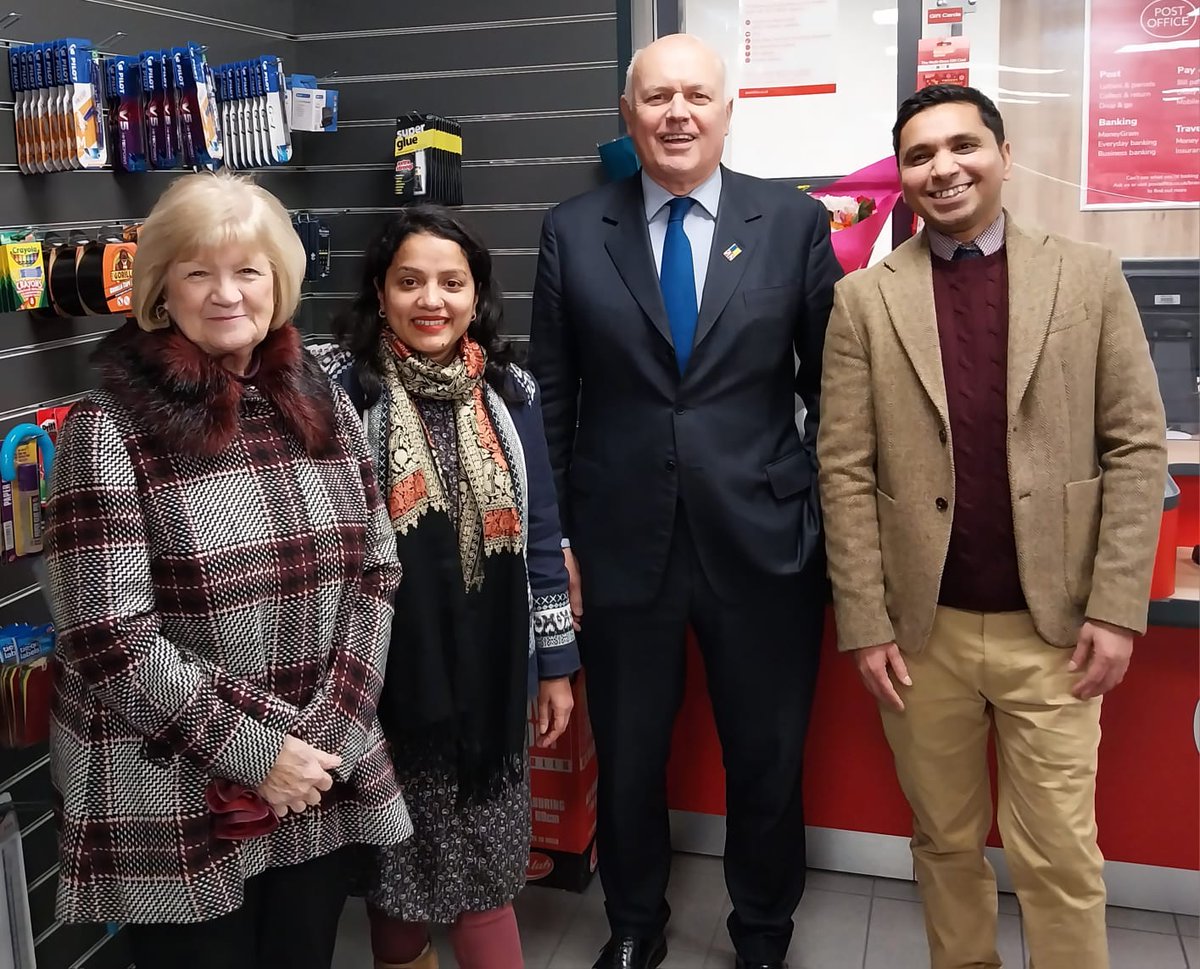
[{"x": 562, "y": 780}]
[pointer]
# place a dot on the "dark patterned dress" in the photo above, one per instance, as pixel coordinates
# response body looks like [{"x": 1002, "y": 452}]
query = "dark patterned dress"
[{"x": 461, "y": 858}]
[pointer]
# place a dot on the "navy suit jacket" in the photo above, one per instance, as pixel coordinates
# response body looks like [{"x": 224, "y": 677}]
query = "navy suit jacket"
[{"x": 630, "y": 439}]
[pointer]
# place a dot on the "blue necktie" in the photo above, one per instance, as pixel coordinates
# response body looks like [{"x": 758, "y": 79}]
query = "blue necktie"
[
  {"x": 678, "y": 281},
  {"x": 969, "y": 251}
]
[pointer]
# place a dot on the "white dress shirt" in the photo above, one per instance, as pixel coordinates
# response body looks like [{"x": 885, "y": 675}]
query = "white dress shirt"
[{"x": 699, "y": 224}]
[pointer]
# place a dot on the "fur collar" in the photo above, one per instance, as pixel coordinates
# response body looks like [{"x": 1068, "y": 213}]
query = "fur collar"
[{"x": 192, "y": 403}]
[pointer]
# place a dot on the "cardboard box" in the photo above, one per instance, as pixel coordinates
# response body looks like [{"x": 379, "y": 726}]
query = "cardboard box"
[
  {"x": 561, "y": 869},
  {"x": 563, "y": 782}
]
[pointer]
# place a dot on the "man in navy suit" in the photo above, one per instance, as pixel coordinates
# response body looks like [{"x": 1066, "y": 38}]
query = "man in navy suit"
[{"x": 668, "y": 314}]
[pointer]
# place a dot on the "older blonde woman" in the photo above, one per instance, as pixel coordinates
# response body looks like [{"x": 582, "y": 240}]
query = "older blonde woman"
[{"x": 221, "y": 569}]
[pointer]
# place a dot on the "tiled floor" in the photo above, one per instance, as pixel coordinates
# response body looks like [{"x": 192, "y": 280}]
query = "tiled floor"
[{"x": 844, "y": 922}]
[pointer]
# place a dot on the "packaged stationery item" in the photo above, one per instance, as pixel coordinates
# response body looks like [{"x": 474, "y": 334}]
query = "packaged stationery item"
[
  {"x": 156, "y": 98},
  {"x": 314, "y": 235},
  {"x": 41, "y": 110},
  {"x": 123, "y": 88},
  {"x": 169, "y": 112},
  {"x": 25, "y": 683},
  {"x": 252, "y": 112},
  {"x": 151, "y": 108},
  {"x": 22, "y": 272},
  {"x": 88, "y": 146},
  {"x": 7, "y": 535},
  {"x": 310, "y": 108},
  {"x": 180, "y": 106},
  {"x": 16, "y": 82},
  {"x": 27, "y": 500},
  {"x": 55, "y": 64},
  {"x": 198, "y": 107},
  {"x": 279, "y": 135},
  {"x": 428, "y": 156}
]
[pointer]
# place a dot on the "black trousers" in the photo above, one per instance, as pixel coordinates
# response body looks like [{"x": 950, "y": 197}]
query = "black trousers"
[
  {"x": 289, "y": 921},
  {"x": 761, "y": 657}
]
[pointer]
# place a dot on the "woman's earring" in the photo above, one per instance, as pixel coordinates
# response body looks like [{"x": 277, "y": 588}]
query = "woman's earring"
[
  {"x": 382, "y": 313},
  {"x": 161, "y": 315}
]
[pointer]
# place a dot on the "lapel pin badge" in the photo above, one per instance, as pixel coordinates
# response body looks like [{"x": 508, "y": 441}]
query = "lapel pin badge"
[{"x": 732, "y": 252}]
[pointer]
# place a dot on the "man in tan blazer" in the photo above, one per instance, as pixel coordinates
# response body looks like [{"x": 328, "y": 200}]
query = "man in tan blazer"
[{"x": 992, "y": 467}]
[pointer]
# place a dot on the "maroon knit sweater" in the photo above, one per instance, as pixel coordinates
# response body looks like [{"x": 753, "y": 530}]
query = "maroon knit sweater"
[{"x": 971, "y": 299}]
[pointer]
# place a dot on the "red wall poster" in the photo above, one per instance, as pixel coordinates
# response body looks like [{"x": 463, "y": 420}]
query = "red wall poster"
[{"x": 1141, "y": 105}]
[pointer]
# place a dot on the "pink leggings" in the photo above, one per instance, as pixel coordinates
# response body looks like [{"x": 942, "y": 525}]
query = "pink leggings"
[{"x": 481, "y": 940}]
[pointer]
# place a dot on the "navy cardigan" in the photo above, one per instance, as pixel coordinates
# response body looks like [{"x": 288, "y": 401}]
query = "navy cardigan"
[{"x": 544, "y": 556}]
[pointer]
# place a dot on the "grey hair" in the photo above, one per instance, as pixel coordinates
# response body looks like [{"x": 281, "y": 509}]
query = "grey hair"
[
  {"x": 629, "y": 74},
  {"x": 638, "y": 53}
]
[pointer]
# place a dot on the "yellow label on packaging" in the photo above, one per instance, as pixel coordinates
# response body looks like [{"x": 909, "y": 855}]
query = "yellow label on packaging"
[
  {"x": 406, "y": 144},
  {"x": 24, "y": 276}
]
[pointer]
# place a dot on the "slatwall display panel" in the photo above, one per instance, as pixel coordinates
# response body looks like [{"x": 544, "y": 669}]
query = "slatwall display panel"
[
  {"x": 534, "y": 85},
  {"x": 546, "y": 134},
  {"x": 514, "y": 270},
  {"x": 258, "y": 16},
  {"x": 545, "y": 86},
  {"x": 524, "y": 182},
  {"x": 44, "y": 361},
  {"x": 355, "y": 15},
  {"x": 583, "y": 39},
  {"x": 502, "y": 226}
]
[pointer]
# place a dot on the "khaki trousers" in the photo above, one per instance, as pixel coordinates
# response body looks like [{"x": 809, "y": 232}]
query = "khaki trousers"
[{"x": 979, "y": 671}]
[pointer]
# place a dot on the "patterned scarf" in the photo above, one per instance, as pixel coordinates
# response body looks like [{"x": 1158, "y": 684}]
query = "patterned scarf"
[
  {"x": 457, "y": 673},
  {"x": 488, "y": 517}
]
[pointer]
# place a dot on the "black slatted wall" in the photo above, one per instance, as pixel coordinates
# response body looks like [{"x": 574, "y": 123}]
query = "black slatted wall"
[
  {"x": 534, "y": 83},
  {"x": 45, "y": 361}
]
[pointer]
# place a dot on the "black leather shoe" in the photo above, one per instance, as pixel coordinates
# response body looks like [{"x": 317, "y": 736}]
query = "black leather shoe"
[
  {"x": 760, "y": 965},
  {"x": 633, "y": 952}
]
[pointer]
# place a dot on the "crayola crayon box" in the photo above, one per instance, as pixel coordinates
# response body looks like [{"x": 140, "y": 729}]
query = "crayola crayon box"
[{"x": 22, "y": 273}]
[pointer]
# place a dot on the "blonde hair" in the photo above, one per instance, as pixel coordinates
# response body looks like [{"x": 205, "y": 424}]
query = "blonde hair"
[{"x": 205, "y": 211}]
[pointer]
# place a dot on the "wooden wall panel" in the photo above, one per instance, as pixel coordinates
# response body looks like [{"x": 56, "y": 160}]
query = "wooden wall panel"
[{"x": 1047, "y": 138}]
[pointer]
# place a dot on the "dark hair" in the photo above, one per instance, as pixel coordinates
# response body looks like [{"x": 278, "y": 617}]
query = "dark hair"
[
  {"x": 358, "y": 327},
  {"x": 936, "y": 94}
]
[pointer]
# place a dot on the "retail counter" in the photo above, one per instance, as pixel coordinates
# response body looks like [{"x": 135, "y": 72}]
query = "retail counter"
[{"x": 1148, "y": 797}]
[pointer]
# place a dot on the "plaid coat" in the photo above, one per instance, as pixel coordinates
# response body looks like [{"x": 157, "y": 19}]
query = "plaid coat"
[{"x": 221, "y": 571}]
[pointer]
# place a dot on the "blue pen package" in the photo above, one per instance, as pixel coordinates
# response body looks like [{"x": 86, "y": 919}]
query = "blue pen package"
[
  {"x": 125, "y": 114},
  {"x": 206, "y": 130},
  {"x": 17, "y": 83},
  {"x": 150, "y": 108},
  {"x": 169, "y": 113},
  {"x": 55, "y": 55},
  {"x": 198, "y": 116},
  {"x": 182, "y": 101}
]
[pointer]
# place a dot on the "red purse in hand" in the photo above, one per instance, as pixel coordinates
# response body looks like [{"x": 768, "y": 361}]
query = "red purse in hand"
[{"x": 237, "y": 811}]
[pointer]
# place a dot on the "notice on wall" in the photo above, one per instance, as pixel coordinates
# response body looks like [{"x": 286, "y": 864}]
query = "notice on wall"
[
  {"x": 1141, "y": 105},
  {"x": 787, "y": 48}
]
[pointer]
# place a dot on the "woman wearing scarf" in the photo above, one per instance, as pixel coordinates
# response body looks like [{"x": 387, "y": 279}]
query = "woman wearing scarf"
[{"x": 482, "y": 616}]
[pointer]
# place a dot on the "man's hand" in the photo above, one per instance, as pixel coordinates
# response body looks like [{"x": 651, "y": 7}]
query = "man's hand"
[
  {"x": 300, "y": 775},
  {"x": 555, "y": 703},
  {"x": 1103, "y": 653},
  {"x": 574, "y": 589},
  {"x": 873, "y": 663}
]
